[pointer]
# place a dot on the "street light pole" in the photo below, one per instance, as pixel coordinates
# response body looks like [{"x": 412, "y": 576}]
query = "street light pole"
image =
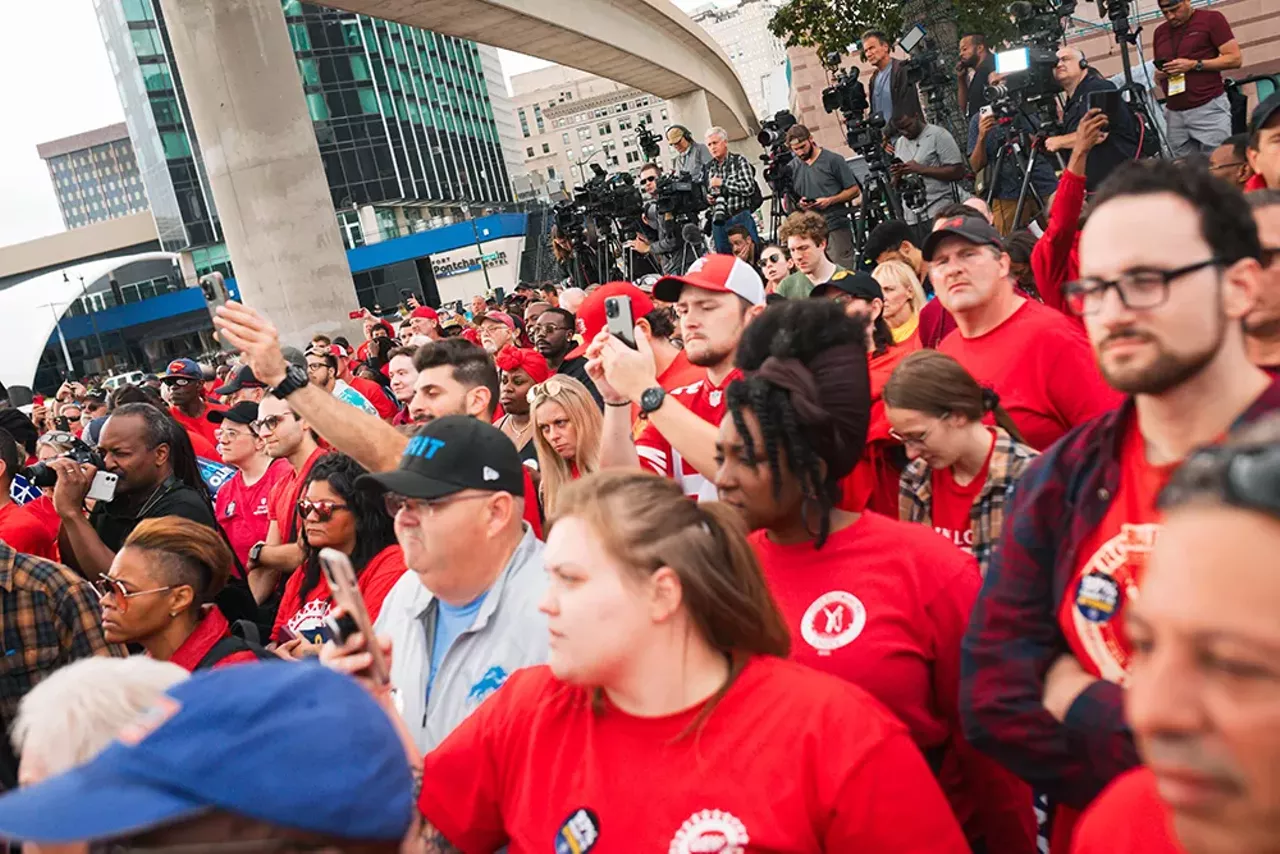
[
  {"x": 93, "y": 320},
  {"x": 475, "y": 232}
]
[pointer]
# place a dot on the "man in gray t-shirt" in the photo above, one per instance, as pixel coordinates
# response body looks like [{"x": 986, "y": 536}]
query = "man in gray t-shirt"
[
  {"x": 824, "y": 182},
  {"x": 931, "y": 152}
]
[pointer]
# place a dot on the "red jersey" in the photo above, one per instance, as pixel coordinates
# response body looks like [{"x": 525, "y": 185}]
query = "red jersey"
[
  {"x": 304, "y": 617},
  {"x": 680, "y": 373},
  {"x": 282, "y": 499},
  {"x": 705, "y": 401},
  {"x": 212, "y": 628},
  {"x": 23, "y": 531},
  {"x": 1042, "y": 366},
  {"x": 242, "y": 510},
  {"x": 201, "y": 426},
  {"x": 952, "y": 503},
  {"x": 1127, "y": 818},
  {"x": 1110, "y": 563},
  {"x": 47, "y": 515},
  {"x": 884, "y": 605},
  {"x": 377, "y": 398},
  {"x": 788, "y": 761}
]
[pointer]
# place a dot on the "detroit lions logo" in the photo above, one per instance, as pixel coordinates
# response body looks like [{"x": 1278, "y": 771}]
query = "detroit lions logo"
[{"x": 491, "y": 681}]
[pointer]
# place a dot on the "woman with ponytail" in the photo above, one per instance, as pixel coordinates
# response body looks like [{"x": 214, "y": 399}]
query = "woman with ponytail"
[
  {"x": 962, "y": 470},
  {"x": 869, "y": 599}
]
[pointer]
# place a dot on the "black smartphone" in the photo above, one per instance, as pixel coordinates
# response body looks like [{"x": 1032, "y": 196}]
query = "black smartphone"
[
  {"x": 1109, "y": 101},
  {"x": 499, "y": 294},
  {"x": 1159, "y": 64}
]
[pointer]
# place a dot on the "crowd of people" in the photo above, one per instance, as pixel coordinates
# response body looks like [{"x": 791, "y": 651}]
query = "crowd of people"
[{"x": 959, "y": 545}]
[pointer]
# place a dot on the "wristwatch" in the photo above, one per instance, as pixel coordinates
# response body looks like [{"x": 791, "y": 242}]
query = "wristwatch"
[
  {"x": 255, "y": 551},
  {"x": 1199, "y": 65},
  {"x": 294, "y": 379},
  {"x": 651, "y": 399}
]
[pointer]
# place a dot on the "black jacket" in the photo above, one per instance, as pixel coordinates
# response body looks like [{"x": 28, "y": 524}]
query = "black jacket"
[{"x": 1121, "y": 143}]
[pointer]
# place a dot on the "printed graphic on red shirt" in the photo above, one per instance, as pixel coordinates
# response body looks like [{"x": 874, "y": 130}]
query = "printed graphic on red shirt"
[
  {"x": 833, "y": 621},
  {"x": 705, "y": 401},
  {"x": 711, "y": 830},
  {"x": 1110, "y": 566}
]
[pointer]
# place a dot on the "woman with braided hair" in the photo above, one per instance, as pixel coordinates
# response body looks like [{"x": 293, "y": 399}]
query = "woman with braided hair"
[
  {"x": 962, "y": 470},
  {"x": 872, "y": 600}
]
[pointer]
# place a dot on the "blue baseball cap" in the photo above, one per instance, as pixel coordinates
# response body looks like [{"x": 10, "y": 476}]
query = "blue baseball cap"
[
  {"x": 291, "y": 745},
  {"x": 185, "y": 368}
]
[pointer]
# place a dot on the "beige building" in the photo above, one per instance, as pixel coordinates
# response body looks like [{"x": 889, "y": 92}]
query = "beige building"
[
  {"x": 759, "y": 57},
  {"x": 569, "y": 120}
]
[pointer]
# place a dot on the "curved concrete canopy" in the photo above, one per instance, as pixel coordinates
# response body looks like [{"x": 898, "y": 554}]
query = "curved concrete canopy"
[
  {"x": 30, "y": 310},
  {"x": 648, "y": 44}
]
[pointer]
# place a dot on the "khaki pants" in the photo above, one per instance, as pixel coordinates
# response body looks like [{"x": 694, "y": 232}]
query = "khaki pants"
[{"x": 1002, "y": 211}]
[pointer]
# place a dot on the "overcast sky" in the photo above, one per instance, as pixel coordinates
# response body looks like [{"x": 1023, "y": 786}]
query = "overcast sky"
[{"x": 58, "y": 83}]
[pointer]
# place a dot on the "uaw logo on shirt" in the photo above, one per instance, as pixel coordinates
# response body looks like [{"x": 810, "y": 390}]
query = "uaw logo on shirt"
[
  {"x": 309, "y": 624},
  {"x": 1109, "y": 579},
  {"x": 710, "y": 832},
  {"x": 834, "y": 620}
]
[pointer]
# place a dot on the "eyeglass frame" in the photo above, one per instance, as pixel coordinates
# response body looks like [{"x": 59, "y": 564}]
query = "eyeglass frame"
[
  {"x": 546, "y": 389},
  {"x": 257, "y": 425},
  {"x": 1073, "y": 289},
  {"x": 181, "y": 382},
  {"x": 416, "y": 505},
  {"x": 120, "y": 592},
  {"x": 535, "y": 327},
  {"x": 916, "y": 441}
]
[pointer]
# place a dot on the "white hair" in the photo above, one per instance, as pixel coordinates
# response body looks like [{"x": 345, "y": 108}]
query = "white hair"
[
  {"x": 70, "y": 717},
  {"x": 717, "y": 131},
  {"x": 572, "y": 298}
]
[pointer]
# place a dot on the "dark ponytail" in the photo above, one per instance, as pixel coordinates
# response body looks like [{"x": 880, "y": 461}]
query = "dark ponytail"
[{"x": 991, "y": 403}]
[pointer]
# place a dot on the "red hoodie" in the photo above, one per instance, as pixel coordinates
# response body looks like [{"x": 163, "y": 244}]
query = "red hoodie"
[{"x": 1055, "y": 259}]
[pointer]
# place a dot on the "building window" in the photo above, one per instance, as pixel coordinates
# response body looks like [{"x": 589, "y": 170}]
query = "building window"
[
  {"x": 529, "y": 151},
  {"x": 620, "y": 108},
  {"x": 633, "y": 157},
  {"x": 624, "y": 123},
  {"x": 604, "y": 129},
  {"x": 664, "y": 115},
  {"x": 546, "y": 149},
  {"x": 551, "y": 172},
  {"x": 584, "y": 133},
  {"x": 564, "y": 137}
]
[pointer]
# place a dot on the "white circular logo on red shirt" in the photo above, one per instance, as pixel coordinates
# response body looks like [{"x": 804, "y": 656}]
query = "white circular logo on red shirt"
[
  {"x": 710, "y": 832},
  {"x": 834, "y": 620}
]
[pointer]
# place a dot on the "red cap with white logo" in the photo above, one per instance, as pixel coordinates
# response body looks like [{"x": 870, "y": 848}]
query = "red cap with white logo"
[{"x": 726, "y": 274}]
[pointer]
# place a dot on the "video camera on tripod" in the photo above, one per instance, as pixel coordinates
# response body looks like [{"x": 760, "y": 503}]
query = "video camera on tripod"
[
  {"x": 1028, "y": 69},
  {"x": 924, "y": 69},
  {"x": 610, "y": 201},
  {"x": 865, "y": 135},
  {"x": 648, "y": 142}
]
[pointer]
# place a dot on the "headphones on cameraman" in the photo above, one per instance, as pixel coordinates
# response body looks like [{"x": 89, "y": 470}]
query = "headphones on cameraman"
[{"x": 1084, "y": 61}]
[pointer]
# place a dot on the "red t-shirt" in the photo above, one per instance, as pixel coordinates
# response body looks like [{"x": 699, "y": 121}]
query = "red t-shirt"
[
  {"x": 1127, "y": 818},
  {"x": 884, "y": 605},
  {"x": 1042, "y": 366},
  {"x": 47, "y": 515},
  {"x": 242, "y": 510},
  {"x": 705, "y": 401},
  {"x": 282, "y": 499},
  {"x": 788, "y": 761},
  {"x": 377, "y": 398},
  {"x": 532, "y": 512},
  {"x": 23, "y": 531},
  {"x": 201, "y": 426},
  {"x": 1198, "y": 38},
  {"x": 212, "y": 628},
  {"x": 936, "y": 323},
  {"x": 305, "y": 617},
  {"x": 680, "y": 373},
  {"x": 1110, "y": 564},
  {"x": 952, "y": 503}
]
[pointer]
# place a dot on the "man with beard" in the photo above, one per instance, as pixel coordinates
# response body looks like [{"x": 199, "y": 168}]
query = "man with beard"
[
  {"x": 185, "y": 382},
  {"x": 715, "y": 301},
  {"x": 553, "y": 337},
  {"x": 455, "y": 377},
  {"x": 1262, "y": 325},
  {"x": 972, "y": 94},
  {"x": 825, "y": 183},
  {"x": 1169, "y": 259}
]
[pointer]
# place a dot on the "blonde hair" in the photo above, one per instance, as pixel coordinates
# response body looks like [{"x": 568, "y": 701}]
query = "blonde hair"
[
  {"x": 646, "y": 522},
  {"x": 71, "y": 716},
  {"x": 900, "y": 273},
  {"x": 581, "y": 408}
]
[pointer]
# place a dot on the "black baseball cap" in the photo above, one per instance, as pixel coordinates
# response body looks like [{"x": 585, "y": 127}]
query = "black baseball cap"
[
  {"x": 244, "y": 412},
  {"x": 240, "y": 378},
  {"x": 974, "y": 229},
  {"x": 857, "y": 284},
  {"x": 1264, "y": 112},
  {"x": 449, "y": 455}
]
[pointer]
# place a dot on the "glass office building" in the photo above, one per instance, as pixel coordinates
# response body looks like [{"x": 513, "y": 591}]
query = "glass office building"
[
  {"x": 403, "y": 118},
  {"x": 95, "y": 176}
]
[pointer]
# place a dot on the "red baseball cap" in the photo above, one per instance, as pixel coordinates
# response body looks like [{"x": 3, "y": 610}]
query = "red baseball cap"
[
  {"x": 497, "y": 317},
  {"x": 726, "y": 274},
  {"x": 425, "y": 311},
  {"x": 590, "y": 318}
]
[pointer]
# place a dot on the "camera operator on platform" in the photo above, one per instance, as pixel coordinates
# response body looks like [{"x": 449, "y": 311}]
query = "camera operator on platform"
[
  {"x": 1191, "y": 49},
  {"x": 669, "y": 244},
  {"x": 824, "y": 182},
  {"x": 1120, "y": 143},
  {"x": 892, "y": 94},
  {"x": 692, "y": 157},
  {"x": 731, "y": 185},
  {"x": 931, "y": 152},
  {"x": 974, "y": 56}
]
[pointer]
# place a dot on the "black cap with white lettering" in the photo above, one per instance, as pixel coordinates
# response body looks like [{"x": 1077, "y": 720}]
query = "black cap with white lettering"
[{"x": 449, "y": 455}]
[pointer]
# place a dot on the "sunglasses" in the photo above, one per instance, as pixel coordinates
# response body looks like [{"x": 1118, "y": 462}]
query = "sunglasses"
[
  {"x": 772, "y": 258},
  {"x": 547, "y": 389},
  {"x": 106, "y": 586},
  {"x": 180, "y": 382},
  {"x": 323, "y": 510},
  {"x": 56, "y": 437},
  {"x": 267, "y": 425}
]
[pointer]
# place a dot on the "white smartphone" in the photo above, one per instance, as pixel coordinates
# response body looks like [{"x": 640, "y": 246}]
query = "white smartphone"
[
  {"x": 985, "y": 110},
  {"x": 618, "y": 320},
  {"x": 341, "y": 576},
  {"x": 103, "y": 487}
]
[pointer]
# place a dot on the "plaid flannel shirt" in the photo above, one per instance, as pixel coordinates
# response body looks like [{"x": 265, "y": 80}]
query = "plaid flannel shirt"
[
  {"x": 1014, "y": 635},
  {"x": 50, "y": 617},
  {"x": 1009, "y": 459},
  {"x": 739, "y": 178}
]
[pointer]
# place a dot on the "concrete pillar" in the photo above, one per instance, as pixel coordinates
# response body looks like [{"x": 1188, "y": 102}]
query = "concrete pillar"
[
  {"x": 369, "y": 227},
  {"x": 246, "y": 101}
]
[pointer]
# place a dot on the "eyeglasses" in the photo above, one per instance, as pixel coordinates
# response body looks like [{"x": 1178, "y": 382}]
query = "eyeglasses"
[
  {"x": 546, "y": 328},
  {"x": 226, "y": 435},
  {"x": 395, "y": 502},
  {"x": 1139, "y": 289},
  {"x": 268, "y": 424},
  {"x": 323, "y": 510},
  {"x": 544, "y": 390},
  {"x": 56, "y": 437},
  {"x": 914, "y": 441},
  {"x": 1234, "y": 164},
  {"x": 106, "y": 586}
]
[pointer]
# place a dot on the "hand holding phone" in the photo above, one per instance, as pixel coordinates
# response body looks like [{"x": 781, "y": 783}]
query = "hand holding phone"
[
  {"x": 352, "y": 617},
  {"x": 618, "y": 320}
]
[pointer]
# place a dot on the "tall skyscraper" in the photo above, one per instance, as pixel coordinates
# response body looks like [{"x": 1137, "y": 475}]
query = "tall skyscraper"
[
  {"x": 759, "y": 57},
  {"x": 95, "y": 175},
  {"x": 404, "y": 120}
]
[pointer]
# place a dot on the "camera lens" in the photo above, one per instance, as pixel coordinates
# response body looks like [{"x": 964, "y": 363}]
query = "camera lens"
[
  {"x": 610, "y": 308},
  {"x": 41, "y": 475}
]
